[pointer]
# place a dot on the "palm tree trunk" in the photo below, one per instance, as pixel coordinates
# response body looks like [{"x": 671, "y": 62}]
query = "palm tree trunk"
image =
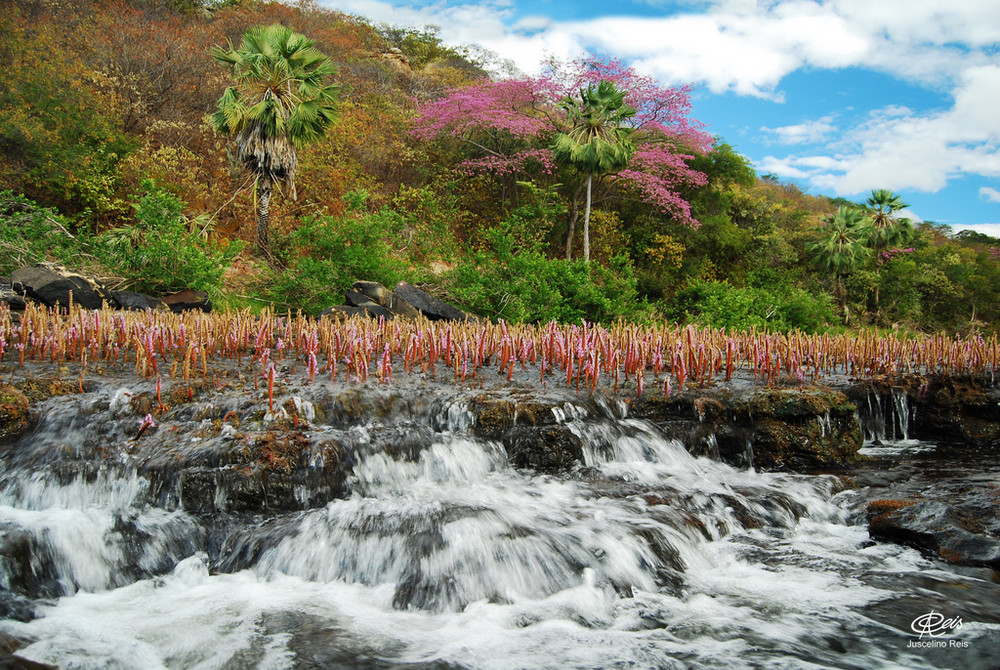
[
  {"x": 263, "y": 215},
  {"x": 573, "y": 216},
  {"x": 586, "y": 221}
]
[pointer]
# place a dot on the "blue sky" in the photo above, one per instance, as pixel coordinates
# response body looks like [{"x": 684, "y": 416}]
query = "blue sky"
[{"x": 837, "y": 96}]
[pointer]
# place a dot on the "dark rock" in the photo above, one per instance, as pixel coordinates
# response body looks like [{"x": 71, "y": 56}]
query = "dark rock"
[
  {"x": 546, "y": 449},
  {"x": 53, "y": 284},
  {"x": 963, "y": 534},
  {"x": 494, "y": 416},
  {"x": 14, "y": 662},
  {"x": 944, "y": 409},
  {"x": 772, "y": 429},
  {"x": 185, "y": 300},
  {"x": 9, "y": 296},
  {"x": 374, "y": 291},
  {"x": 15, "y": 413},
  {"x": 380, "y": 295},
  {"x": 137, "y": 301},
  {"x": 369, "y": 309},
  {"x": 431, "y": 307},
  {"x": 355, "y": 298},
  {"x": 18, "y": 608}
]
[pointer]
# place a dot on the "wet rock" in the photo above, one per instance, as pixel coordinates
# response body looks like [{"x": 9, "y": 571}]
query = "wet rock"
[
  {"x": 131, "y": 300},
  {"x": 14, "y": 662},
  {"x": 963, "y": 534},
  {"x": 185, "y": 300},
  {"x": 15, "y": 413},
  {"x": 53, "y": 284},
  {"x": 431, "y": 307},
  {"x": 546, "y": 449},
  {"x": 18, "y": 608},
  {"x": 773, "y": 429},
  {"x": 494, "y": 416},
  {"x": 945, "y": 409}
]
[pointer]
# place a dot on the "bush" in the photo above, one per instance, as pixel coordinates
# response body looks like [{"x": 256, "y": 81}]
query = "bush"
[
  {"x": 159, "y": 253},
  {"x": 721, "y": 305},
  {"x": 31, "y": 234},
  {"x": 522, "y": 285},
  {"x": 328, "y": 254}
]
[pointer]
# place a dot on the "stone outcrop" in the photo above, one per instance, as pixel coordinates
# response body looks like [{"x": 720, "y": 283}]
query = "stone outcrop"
[
  {"x": 374, "y": 300},
  {"x": 185, "y": 300},
  {"x": 52, "y": 284},
  {"x": 797, "y": 429},
  {"x": 15, "y": 413},
  {"x": 967, "y": 533}
]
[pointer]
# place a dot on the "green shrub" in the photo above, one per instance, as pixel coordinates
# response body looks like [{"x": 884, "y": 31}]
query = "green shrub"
[
  {"x": 328, "y": 254},
  {"x": 159, "y": 253},
  {"x": 722, "y": 305},
  {"x": 516, "y": 284},
  {"x": 31, "y": 234}
]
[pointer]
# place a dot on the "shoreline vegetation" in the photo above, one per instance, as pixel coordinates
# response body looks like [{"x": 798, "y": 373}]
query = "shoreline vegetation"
[{"x": 131, "y": 155}]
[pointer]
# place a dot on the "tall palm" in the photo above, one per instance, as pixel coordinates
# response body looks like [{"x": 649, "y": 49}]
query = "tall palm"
[
  {"x": 842, "y": 250},
  {"x": 281, "y": 102},
  {"x": 885, "y": 230},
  {"x": 597, "y": 142}
]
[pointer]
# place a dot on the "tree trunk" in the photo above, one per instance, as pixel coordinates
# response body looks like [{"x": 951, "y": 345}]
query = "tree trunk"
[
  {"x": 573, "y": 216},
  {"x": 586, "y": 222},
  {"x": 263, "y": 214}
]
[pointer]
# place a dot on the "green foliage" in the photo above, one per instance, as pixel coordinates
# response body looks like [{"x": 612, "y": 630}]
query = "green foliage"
[
  {"x": 325, "y": 255},
  {"x": 160, "y": 253},
  {"x": 722, "y": 305},
  {"x": 31, "y": 234},
  {"x": 514, "y": 281}
]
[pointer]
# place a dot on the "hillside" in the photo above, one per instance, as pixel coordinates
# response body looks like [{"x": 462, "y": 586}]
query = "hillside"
[{"x": 439, "y": 169}]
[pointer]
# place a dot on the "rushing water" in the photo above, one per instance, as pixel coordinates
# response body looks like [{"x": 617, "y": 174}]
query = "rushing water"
[{"x": 442, "y": 555}]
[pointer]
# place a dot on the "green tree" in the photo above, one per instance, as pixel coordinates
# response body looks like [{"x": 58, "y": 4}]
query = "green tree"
[
  {"x": 281, "y": 102},
  {"x": 597, "y": 142},
  {"x": 842, "y": 250},
  {"x": 885, "y": 229}
]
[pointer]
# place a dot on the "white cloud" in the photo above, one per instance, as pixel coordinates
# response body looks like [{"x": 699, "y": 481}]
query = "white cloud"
[
  {"x": 990, "y": 194},
  {"x": 899, "y": 149},
  {"x": 744, "y": 46},
  {"x": 991, "y": 229},
  {"x": 809, "y": 132}
]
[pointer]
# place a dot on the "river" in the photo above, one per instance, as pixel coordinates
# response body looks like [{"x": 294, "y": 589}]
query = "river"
[{"x": 439, "y": 554}]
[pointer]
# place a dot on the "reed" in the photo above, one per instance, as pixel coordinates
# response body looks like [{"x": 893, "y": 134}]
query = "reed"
[{"x": 669, "y": 355}]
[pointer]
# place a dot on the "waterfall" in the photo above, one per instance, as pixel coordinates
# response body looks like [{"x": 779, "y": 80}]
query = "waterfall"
[
  {"x": 886, "y": 418},
  {"x": 412, "y": 539}
]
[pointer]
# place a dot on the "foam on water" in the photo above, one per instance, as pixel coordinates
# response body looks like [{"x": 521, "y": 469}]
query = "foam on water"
[{"x": 646, "y": 557}]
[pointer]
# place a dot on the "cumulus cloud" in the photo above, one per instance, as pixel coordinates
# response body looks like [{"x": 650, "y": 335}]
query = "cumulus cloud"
[
  {"x": 990, "y": 194},
  {"x": 743, "y": 46},
  {"x": 899, "y": 149},
  {"x": 809, "y": 132}
]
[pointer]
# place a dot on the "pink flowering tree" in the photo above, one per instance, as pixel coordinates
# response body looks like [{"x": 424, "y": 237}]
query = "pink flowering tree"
[{"x": 507, "y": 129}]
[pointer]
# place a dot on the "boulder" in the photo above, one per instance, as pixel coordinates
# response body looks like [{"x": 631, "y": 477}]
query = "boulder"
[
  {"x": 963, "y": 534},
  {"x": 431, "y": 307},
  {"x": 380, "y": 295},
  {"x": 185, "y": 300},
  {"x": 9, "y": 296},
  {"x": 368, "y": 309},
  {"x": 14, "y": 413},
  {"x": 137, "y": 301},
  {"x": 50, "y": 284}
]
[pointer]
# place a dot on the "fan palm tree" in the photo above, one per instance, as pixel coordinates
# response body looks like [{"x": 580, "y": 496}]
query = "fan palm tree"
[
  {"x": 886, "y": 230},
  {"x": 597, "y": 142},
  {"x": 842, "y": 250},
  {"x": 281, "y": 102}
]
